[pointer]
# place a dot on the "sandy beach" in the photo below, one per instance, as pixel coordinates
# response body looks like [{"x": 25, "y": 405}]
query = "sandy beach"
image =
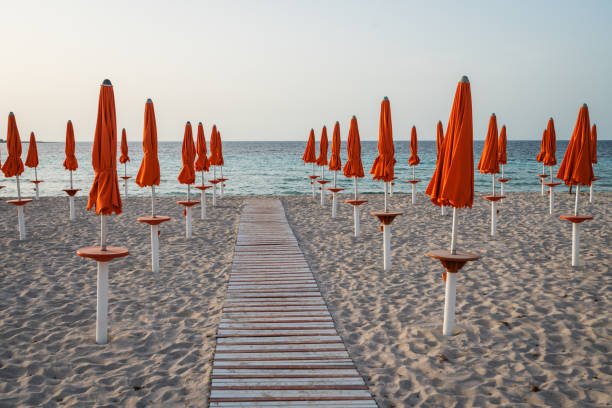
[
  {"x": 530, "y": 330},
  {"x": 161, "y": 328}
]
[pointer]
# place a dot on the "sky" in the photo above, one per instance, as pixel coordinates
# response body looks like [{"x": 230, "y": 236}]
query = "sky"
[{"x": 272, "y": 70}]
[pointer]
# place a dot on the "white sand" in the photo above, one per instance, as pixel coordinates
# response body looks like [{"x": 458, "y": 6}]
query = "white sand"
[
  {"x": 161, "y": 328},
  {"x": 525, "y": 318}
]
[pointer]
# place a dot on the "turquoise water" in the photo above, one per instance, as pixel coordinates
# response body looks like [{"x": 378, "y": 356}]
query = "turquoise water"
[{"x": 269, "y": 168}]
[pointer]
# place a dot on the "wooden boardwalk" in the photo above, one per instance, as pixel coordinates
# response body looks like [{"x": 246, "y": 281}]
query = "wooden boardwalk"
[{"x": 277, "y": 345}]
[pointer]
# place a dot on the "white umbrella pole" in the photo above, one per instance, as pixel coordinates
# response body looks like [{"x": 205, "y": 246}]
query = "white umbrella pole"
[
  {"x": 502, "y": 184},
  {"x": 188, "y": 231},
  {"x": 591, "y": 192},
  {"x": 221, "y": 189},
  {"x": 413, "y": 189},
  {"x": 356, "y": 210},
  {"x": 313, "y": 182},
  {"x": 387, "y": 247},
  {"x": 21, "y": 222},
  {"x": 125, "y": 175},
  {"x": 493, "y": 219},
  {"x": 102, "y": 303},
  {"x": 153, "y": 201},
  {"x": 36, "y": 184},
  {"x": 575, "y": 244},
  {"x": 214, "y": 203},
  {"x": 71, "y": 180},
  {"x": 386, "y": 187},
  {"x": 577, "y": 196},
  {"x": 18, "y": 188},
  {"x": 451, "y": 288},
  {"x": 333, "y": 204},
  {"x": 103, "y": 232},
  {"x": 71, "y": 206},
  {"x": 551, "y": 199},
  {"x": 155, "y": 248},
  {"x": 355, "y": 185},
  {"x": 542, "y": 181}
]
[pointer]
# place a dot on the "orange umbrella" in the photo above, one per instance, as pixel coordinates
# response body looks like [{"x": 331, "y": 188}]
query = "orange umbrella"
[
  {"x": 201, "y": 163},
  {"x": 32, "y": 159},
  {"x": 309, "y": 154},
  {"x": 213, "y": 147},
  {"x": 452, "y": 183},
  {"x": 335, "y": 163},
  {"x": 383, "y": 166},
  {"x": 549, "y": 158},
  {"x": 104, "y": 194},
  {"x": 13, "y": 166},
  {"x": 148, "y": 173},
  {"x": 576, "y": 167},
  {"x": 70, "y": 163},
  {"x": 594, "y": 144},
  {"x": 187, "y": 173},
  {"x": 501, "y": 147},
  {"x": 322, "y": 159},
  {"x": 540, "y": 155},
  {"x": 414, "y": 159},
  {"x": 220, "y": 161},
  {"x": 488, "y": 163},
  {"x": 124, "y": 148},
  {"x": 439, "y": 139},
  {"x": 353, "y": 166}
]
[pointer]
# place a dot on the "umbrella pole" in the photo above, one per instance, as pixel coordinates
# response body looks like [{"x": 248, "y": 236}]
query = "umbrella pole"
[
  {"x": 214, "y": 203},
  {"x": 203, "y": 200},
  {"x": 386, "y": 187},
  {"x": 312, "y": 181},
  {"x": 102, "y": 303},
  {"x": 103, "y": 232},
  {"x": 36, "y": 184},
  {"x": 18, "y": 188},
  {"x": 591, "y": 192},
  {"x": 335, "y": 177},
  {"x": 356, "y": 191},
  {"x": 577, "y": 196},
  {"x": 322, "y": 186},
  {"x": 222, "y": 182},
  {"x": 451, "y": 287},
  {"x": 576, "y": 232},
  {"x": 71, "y": 180},
  {"x": 125, "y": 179},
  {"x": 153, "y": 201},
  {"x": 502, "y": 176},
  {"x": 356, "y": 210},
  {"x": 188, "y": 191},
  {"x": 542, "y": 181}
]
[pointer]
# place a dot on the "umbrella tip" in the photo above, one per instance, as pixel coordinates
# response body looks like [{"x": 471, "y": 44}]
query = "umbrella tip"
[
  {"x": 337, "y": 123},
  {"x": 149, "y": 100},
  {"x": 385, "y": 98},
  {"x": 584, "y": 105},
  {"x": 11, "y": 114},
  {"x": 493, "y": 114},
  {"x": 354, "y": 117},
  {"x": 440, "y": 121},
  {"x": 107, "y": 82},
  {"x": 199, "y": 123},
  {"x": 465, "y": 79},
  {"x": 69, "y": 121},
  {"x": 188, "y": 123}
]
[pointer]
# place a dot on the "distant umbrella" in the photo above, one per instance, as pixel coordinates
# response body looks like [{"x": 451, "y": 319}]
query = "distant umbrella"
[
  {"x": 323, "y": 145},
  {"x": 202, "y": 164},
  {"x": 550, "y": 148},
  {"x": 540, "y": 155},
  {"x": 309, "y": 154},
  {"x": 489, "y": 163},
  {"x": 594, "y": 144},
  {"x": 13, "y": 165},
  {"x": 354, "y": 168},
  {"x": 335, "y": 163},
  {"x": 187, "y": 173},
  {"x": 32, "y": 158},
  {"x": 149, "y": 172},
  {"x": 70, "y": 162},
  {"x": 501, "y": 147},
  {"x": 124, "y": 148},
  {"x": 383, "y": 166},
  {"x": 439, "y": 139},
  {"x": 414, "y": 159}
]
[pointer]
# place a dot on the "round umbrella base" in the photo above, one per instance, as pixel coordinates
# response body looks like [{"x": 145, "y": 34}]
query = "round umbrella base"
[
  {"x": 21, "y": 202},
  {"x": 356, "y": 202},
  {"x": 543, "y": 175},
  {"x": 188, "y": 203},
  {"x": 452, "y": 262},
  {"x": 413, "y": 181},
  {"x": 154, "y": 220},
  {"x": 216, "y": 181},
  {"x": 551, "y": 184},
  {"x": 36, "y": 181},
  {"x": 322, "y": 181},
  {"x": 71, "y": 191},
  {"x": 96, "y": 253},
  {"x": 125, "y": 177},
  {"x": 503, "y": 180},
  {"x": 494, "y": 198},
  {"x": 576, "y": 219},
  {"x": 334, "y": 189},
  {"x": 203, "y": 187},
  {"x": 313, "y": 177},
  {"x": 385, "y": 217}
]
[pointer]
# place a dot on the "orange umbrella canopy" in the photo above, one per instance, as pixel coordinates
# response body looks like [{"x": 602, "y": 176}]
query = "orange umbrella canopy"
[
  {"x": 414, "y": 157},
  {"x": 187, "y": 174},
  {"x": 576, "y": 167},
  {"x": 213, "y": 146},
  {"x": 124, "y": 148},
  {"x": 220, "y": 161},
  {"x": 453, "y": 180},
  {"x": 13, "y": 166},
  {"x": 201, "y": 163},
  {"x": 334, "y": 161},
  {"x": 309, "y": 154},
  {"x": 104, "y": 193},
  {"x": 383, "y": 166},
  {"x": 540, "y": 156},
  {"x": 550, "y": 150},
  {"x": 353, "y": 166},
  {"x": 594, "y": 144},
  {"x": 439, "y": 138},
  {"x": 148, "y": 173},
  {"x": 322, "y": 159},
  {"x": 488, "y": 160},
  {"x": 501, "y": 146},
  {"x": 70, "y": 163},
  {"x": 32, "y": 159}
]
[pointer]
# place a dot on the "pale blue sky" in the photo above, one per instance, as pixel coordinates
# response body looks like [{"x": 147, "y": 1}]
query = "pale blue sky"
[{"x": 271, "y": 70}]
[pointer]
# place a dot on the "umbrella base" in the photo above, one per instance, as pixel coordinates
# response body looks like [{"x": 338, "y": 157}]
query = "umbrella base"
[
  {"x": 71, "y": 191},
  {"x": 385, "y": 218},
  {"x": 97, "y": 254},
  {"x": 158, "y": 219},
  {"x": 503, "y": 180},
  {"x": 494, "y": 198},
  {"x": 21, "y": 202},
  {"x": 202, "y": 187}
]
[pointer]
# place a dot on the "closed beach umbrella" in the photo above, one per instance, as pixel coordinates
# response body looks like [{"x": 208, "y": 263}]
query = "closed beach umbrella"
[
  {"x": 489, "y": 164},
  {"x": 577, "y": 169},
  {"x": 501, "y": 148},
  {"x": 335, "y": 164},
  {"x": 188, "y": 153},
  {"x": 322, "y": 161},
  {"x": 414, "y": 159},
  {"x": 220, "y": 161},
  {"x": 354, "y": 168},
  {"x": 202, "y": 164},
  {"x": 213, "y": 160},
  {"x": 149, "y": 176},
  {"x": 384, "y": 164},
  {"x": 104, "y": 196},
  {"x": 123, "y": 159},
  {"x": 550, "y": 149},
  {"x": 452, "y": 184},
  {"x": 594, "y": 144},
  {"x": 439, "y": 139},
  {"x": 13, "y": 165},
  {"x": 32, "y": 158},
  {"x": 540, "y": 155},
  {"x": 32, "y": 161},
  {"x": 70, "y": 162},
  {"x": 149, "y": 173},
  {"x": 309, "y": 156}
]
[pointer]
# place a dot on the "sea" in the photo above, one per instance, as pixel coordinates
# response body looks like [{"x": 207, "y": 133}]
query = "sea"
[{"x": 276, "y": 168}]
